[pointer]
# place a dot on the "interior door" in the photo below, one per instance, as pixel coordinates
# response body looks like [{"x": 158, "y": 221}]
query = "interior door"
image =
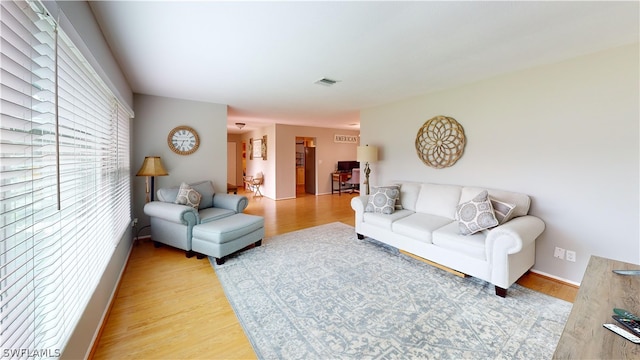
[
  {"x": 310, "y": 170},
  {"x": 232, "y": 166}
]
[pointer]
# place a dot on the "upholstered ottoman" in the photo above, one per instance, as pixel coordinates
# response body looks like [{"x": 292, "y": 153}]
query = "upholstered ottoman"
[{"x": 225, "y": 236}]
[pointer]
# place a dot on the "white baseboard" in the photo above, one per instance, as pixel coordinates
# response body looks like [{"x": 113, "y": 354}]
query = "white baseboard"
[
  {"x": 112, "y": 297},
  {"x": 555, "y": 277}
]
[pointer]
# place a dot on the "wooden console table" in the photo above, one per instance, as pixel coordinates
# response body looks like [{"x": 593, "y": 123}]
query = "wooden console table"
[{"x": 600, "y": 292}]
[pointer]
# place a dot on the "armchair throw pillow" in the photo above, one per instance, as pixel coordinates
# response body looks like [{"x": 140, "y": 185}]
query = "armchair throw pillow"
[
  {"x": 188, "y": 196},
  {"x": 476, "y": 214}
]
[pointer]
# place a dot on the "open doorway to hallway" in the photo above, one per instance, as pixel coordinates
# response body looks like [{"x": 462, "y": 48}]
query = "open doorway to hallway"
[{"x": 305, "y": 166}]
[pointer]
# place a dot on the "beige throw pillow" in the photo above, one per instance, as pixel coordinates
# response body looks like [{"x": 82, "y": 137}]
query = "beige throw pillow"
[
  {"x": 502, "y": 210},
  {"x": 188, "y": 196}
]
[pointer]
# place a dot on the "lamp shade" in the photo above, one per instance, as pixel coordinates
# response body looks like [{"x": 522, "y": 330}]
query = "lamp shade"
[
  {"x": 152, "y": 166},
  {"x": 367, "y": 154}
]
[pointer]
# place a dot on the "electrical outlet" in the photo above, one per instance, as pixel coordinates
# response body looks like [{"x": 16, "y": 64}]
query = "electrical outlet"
[
  {"x": 559, "y": 253},
  {"x": 571, "y": 256},
  {"x": 134, "y": 222}
]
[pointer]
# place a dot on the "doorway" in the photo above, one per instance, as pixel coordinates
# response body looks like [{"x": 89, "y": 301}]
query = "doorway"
[
  {"x": 305, "y": 166},
  {"x": 232, "y": 160}
]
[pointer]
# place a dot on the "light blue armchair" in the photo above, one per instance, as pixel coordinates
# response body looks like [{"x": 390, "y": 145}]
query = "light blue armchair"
[{"x": 172, "y": 224}]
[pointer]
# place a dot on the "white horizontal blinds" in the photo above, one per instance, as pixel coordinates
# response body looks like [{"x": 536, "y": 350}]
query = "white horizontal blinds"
[
  {"x": 122, "y": 186},
  {"x": 54, "y": 266},
  {"x": 84, "y": 119},
  {"x": 94, "y": 180},
  {"x": 27, "y": 171}
]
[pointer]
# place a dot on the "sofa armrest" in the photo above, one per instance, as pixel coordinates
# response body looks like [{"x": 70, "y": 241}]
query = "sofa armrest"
[
  {"x": 358, "y": 203},
  {"x": 512, "y": 236},
  {"x": 176, "y": 213},
  {"x": 232, "y": 202},
  {"x": 510, "y": 249}
]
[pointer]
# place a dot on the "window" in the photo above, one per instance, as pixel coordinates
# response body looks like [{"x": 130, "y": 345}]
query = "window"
[{"x": 64, "y": 182}]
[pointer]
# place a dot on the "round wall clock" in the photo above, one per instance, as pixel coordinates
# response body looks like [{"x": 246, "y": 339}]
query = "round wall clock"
[{"x": 183, "y": 140}]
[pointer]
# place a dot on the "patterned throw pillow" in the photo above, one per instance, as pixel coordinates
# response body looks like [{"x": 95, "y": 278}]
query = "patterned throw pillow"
[
  {"x": 502, "y": 210},
  {"x": 383, "y": 200},
  {"x": 188, "y": 196},
  {"x": 398, "y": 203},
  {"x": 476, "y": 215}
]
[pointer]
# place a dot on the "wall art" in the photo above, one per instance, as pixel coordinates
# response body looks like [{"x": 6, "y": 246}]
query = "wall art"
[{"x": 440, "y": 142}]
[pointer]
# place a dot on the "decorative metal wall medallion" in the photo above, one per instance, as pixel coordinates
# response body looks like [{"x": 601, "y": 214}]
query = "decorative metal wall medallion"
[{"x": 440, "y": 142}]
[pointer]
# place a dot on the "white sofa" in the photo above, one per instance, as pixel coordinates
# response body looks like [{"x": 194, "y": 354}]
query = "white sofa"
[{"x": 424, "y": 222}]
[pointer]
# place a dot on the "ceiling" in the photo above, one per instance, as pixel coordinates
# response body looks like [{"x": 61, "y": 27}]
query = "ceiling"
[{"x": 262, "y": 58}]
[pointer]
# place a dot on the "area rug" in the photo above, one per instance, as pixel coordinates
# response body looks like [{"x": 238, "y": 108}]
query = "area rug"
[{"x": 320, "y": 293}]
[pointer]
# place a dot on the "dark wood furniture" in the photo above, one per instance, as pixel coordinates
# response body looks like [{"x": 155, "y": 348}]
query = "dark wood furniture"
[
  {"x": 339, "y": 178},
  {"x": 600, "y": 292}
]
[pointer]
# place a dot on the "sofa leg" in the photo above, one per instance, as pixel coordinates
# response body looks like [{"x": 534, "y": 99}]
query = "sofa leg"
[
  {"x": 189, "y": 253},
  {"x": 360, "y": 236},
  {"x": 200, "y": 256},
  {"x": 259, "y": 242},
  {"x": 220, "y": 261},
  {"x": 156, "y": 244},
  {"x": 500, "y": 291}
]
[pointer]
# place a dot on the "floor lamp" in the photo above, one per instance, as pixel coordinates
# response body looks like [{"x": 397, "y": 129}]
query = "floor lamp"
[
  {"x": 367, "y": 154},
  {"x": 152, "y": 166}
]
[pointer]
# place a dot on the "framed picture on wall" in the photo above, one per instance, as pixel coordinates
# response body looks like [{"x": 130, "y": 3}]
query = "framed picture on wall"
[
  {"x": 256, "y": 150},
  {"x": 263, "y": 148}
]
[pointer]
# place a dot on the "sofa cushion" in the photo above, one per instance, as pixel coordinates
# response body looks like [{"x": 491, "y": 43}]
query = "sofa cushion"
[
  {"x": 409, "y": 195},
  {"x": 213, "y": 213},
  {"x": 521, "y": 201},
  {"x": 419, "y": 226},
  {"x": 449, "y": 237},
  {"x": 188, "y": 196},
  {"x": 205, "y": 188},
  {"x": 438, "y": 199},
  {"x": 383, "y": 200},
  {"x": 476, "y": 214},
  {"x": 167, "y": 194},
  {"x": 383, "y": 220}
]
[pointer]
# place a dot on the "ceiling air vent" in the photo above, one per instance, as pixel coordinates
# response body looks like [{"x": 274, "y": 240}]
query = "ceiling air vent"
[{"x": 326, "y": 82}]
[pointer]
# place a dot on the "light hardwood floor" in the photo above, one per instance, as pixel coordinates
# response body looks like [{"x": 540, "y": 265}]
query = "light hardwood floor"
[{"x": 172, "y": 307}]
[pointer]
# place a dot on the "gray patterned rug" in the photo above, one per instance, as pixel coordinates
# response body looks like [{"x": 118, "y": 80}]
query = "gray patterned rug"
[{"x": 320, "y": 293}]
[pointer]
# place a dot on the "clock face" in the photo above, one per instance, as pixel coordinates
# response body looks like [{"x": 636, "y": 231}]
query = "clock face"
[{"x": 183, "y": 140}]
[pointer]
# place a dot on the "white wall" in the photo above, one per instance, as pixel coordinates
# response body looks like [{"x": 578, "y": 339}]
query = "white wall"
[
  {"x": 155, "y": 118},
  {"x": 280, "y": 167},
  {"x": 566, "y": 134},
  {"x": 328, "y": 153}
]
